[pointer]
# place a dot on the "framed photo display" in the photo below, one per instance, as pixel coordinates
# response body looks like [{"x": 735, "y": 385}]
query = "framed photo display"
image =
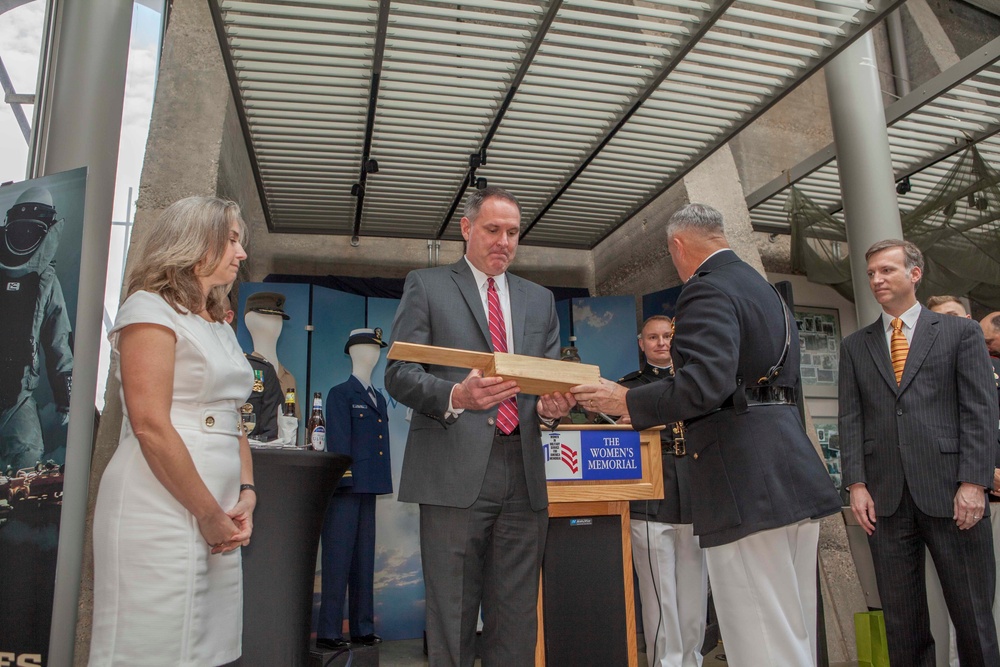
[{"x": 819, "y": 348}]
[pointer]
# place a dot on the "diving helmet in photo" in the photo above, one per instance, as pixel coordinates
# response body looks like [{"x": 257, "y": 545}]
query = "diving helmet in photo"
[{"x": 26, "y": 226}]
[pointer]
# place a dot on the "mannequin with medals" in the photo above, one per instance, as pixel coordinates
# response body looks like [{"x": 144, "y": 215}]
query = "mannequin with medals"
[{"x": 264, "y": 317}]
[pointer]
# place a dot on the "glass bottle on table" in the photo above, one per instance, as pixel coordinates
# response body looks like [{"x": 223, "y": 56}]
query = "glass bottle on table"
[
  {"x": 316, "y": 427},
  {"x": 288, "y": 409}
]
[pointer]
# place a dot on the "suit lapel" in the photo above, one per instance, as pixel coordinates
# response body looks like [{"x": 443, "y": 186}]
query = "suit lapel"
[
  {"x": 923, "y": 337},
  {"x": 518, "y": 309},
  {"x": 875, "y": 340},
  {"x": 467, "y": 286}
]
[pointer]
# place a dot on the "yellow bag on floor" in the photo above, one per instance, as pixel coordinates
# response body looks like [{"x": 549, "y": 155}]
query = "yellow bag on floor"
[{"x": 869, "y": 628}]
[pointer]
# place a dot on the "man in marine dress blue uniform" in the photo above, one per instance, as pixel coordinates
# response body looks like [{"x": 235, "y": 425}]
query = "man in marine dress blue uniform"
[
  {"x": 357, "y": 424},
  {"x": 758, "y": 486},
  {"x": 670, "y": 565}
]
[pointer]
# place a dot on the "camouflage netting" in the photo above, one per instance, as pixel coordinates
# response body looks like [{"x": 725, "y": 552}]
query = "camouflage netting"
[{"x": 957, "y": 226}]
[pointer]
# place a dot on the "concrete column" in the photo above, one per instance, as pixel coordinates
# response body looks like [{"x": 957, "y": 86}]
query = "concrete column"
[
  {"x": 182, "y": 159},
  {"x": 81, "y": 127},
  {"x": 867, "y": 184}
]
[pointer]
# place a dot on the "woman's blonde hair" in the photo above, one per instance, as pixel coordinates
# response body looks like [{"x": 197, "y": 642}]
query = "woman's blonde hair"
[{"x": 186, "y": 243}]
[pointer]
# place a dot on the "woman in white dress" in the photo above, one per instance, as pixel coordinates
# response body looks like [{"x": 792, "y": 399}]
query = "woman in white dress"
[{"x": 176, "y": 501}]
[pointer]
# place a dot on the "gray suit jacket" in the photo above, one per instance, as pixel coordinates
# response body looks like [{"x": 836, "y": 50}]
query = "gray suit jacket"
[
  {"x": 445, "y": 461},
  {"x": 936, "y": 429}
]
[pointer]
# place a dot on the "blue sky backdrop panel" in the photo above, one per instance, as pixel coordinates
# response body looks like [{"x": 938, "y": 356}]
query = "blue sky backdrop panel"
[{"x": 606, "y": 333}]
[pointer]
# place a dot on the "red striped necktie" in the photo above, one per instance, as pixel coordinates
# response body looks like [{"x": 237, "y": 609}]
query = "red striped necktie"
[
  {"x": 507, "y": 412},
  {"x": 898, "y": 348}
]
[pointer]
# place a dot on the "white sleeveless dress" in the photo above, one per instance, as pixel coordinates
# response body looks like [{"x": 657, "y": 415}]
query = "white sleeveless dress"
[{"x": 160, "y": 596}]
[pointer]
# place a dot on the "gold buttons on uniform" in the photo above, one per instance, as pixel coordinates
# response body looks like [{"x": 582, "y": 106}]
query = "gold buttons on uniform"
[
  {"x": 210, "y": 421},
  {"x": 695, "y": 456}
]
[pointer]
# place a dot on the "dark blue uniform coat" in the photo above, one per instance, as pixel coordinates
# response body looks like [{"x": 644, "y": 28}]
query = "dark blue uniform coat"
[
  {"x": 359, "y": 427},
  {"x": 675, "y": 507},
  {"x": 750, "y": 471}
]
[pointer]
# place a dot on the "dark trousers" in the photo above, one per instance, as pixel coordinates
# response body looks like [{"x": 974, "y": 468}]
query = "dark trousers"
[
  {"x": 488, "y": 554},
  {"x": 965, "y": 564},
  {"x": 348, "y": 565}
]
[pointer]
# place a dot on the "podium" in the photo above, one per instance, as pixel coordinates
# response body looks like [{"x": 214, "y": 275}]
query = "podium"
[{"x": 586, "y": 580}]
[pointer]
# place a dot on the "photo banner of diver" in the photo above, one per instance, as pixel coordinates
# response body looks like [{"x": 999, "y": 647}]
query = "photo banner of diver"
[
  {"x": 40, "y": 240},
  {"x": 591, "y": 455}
]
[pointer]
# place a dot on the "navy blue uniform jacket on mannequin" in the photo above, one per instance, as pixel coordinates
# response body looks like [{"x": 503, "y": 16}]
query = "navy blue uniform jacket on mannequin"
[{"x": 359, "y": 427}]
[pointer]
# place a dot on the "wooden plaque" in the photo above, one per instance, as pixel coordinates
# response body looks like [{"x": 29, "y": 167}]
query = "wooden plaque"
[{"x": 534, "y": 375}]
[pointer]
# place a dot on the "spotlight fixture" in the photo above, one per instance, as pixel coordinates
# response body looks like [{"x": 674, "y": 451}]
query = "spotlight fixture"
[
  {"x": 371, "y": 166},
  {"x": 480, "y": 183},
  {"x": 475, "y": 160},
  {"x": 903, "y": 186},
  {"x": 355, "y": 241},
  {"x": 357, "y": 190}
]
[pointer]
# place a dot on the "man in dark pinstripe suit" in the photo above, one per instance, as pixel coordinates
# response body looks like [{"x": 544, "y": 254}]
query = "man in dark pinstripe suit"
[{"x": 918, "y": 453}]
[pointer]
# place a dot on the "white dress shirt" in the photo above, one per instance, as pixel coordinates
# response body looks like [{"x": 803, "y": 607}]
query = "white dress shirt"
[
  {"x": 909, "y": 324},
  {"x": 482, "y": 283},
  {"x": 501, "y": 285}
]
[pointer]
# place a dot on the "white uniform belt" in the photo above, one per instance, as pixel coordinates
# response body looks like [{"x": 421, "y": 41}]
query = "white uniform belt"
[{"x": 222, "y": 418}]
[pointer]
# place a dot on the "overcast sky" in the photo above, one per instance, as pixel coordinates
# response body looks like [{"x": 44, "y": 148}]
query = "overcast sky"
[{"x": 20, "y": 40}]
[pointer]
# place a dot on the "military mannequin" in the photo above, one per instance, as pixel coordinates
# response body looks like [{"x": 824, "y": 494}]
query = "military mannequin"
[
  {"x": 670, "y": 565},
  {"x": 35, "y": 322},
  {"x": 264, "y": 317},
  {"x": 357, "y": 425}
]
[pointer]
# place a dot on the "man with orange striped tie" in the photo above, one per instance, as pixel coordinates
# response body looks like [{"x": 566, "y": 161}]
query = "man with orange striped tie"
[{"x": 918, "y": 436}]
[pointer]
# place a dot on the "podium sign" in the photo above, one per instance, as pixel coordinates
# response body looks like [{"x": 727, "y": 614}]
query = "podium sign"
[{"x": 592, "y": 455}]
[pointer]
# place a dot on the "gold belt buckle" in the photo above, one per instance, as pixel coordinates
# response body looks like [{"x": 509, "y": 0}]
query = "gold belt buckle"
[{"x": 680, "y": 448}]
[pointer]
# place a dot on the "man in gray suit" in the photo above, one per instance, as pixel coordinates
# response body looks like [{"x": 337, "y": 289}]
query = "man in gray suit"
[
  {"x": 918, "y": 437},
  {"x": 473, "y": 457}
]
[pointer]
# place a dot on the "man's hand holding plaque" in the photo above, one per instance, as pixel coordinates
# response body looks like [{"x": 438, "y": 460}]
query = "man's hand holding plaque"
[
  {"x": 604, "y": 396},
  {"x": 476, "y": 392}
]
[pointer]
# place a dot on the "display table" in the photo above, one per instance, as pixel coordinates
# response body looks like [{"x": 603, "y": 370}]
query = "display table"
[
  {"x": 279, "y": 565},
  {"x": 586, "y": 608}
]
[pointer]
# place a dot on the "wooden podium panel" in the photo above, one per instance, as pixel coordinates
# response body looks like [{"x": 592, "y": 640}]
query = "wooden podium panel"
[{"x": 602, "y": 498}]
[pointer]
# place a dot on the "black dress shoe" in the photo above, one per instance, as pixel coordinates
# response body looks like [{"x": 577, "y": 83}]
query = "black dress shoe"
[
  {"x": 339, "y": 642},
  {"x": 367, "y": 640}
]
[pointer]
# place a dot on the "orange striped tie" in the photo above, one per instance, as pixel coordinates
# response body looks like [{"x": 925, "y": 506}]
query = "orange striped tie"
[{"x": 898, "y": 348}]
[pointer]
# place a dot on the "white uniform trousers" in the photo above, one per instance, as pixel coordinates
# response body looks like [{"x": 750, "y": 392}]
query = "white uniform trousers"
[
  {"x": 764, "y": 587},
  {"x": 673, "y": 587}
]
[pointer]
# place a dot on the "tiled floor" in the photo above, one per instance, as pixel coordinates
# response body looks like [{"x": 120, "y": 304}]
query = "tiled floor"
[{"x": 409, "y": 653}]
